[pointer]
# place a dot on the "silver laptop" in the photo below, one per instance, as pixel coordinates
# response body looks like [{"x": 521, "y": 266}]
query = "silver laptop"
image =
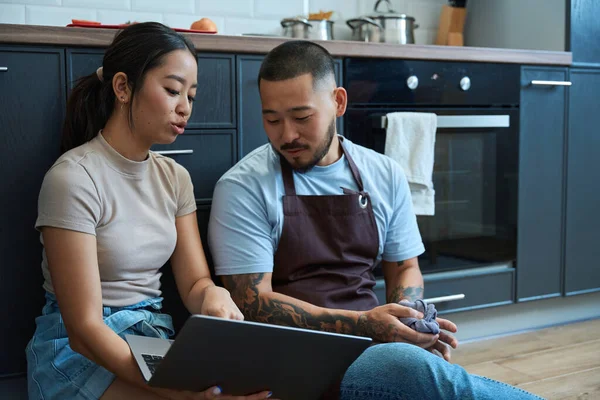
[{"x": 247, "y": 357}]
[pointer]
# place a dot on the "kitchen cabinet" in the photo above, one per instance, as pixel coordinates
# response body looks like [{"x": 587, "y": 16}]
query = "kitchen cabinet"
[
  {"x": 207, "y": 154},
  {"x": 32, "y": 106},
  {"x": 582, "y": 251},
  {"x": 541, "y": 184},
  {"x": 583, "y": 31},
  {"x": 251, "y": 132},
  {"x": 215, "y": 102}
]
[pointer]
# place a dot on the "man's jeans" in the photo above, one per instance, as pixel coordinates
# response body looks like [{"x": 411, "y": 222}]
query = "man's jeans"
[{"x": 402, "y": 371}]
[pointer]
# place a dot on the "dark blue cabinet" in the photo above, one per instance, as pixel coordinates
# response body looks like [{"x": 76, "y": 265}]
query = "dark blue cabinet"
[
  {"x": 583, "y": 31},
  {"x": 582, "y": 251},
  {"x": 32, "y": 104},
  {"x": 215, "y": 100},
  {"x": 206, "y": 154},
  {"x": 251, "y": 133},
  {"x": 541, "y": 170}
]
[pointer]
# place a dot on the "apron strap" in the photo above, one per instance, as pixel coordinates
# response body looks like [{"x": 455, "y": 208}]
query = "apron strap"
[
  {"x": 352, "y": 165},
  {"x": 288, "y": 177},
  {"x": 288, "y": 174}
]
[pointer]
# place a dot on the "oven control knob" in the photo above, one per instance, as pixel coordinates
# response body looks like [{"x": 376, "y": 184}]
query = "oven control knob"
[
  {"x": 412, "y": 82},
  {"x": 465, "y": 84}
]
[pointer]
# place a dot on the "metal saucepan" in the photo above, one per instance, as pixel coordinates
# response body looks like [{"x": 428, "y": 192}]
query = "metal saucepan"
[
  {"x": 391, "y": 27},
  {"x": 364, "y": 29},
  {"x": 301, "y": 28}
]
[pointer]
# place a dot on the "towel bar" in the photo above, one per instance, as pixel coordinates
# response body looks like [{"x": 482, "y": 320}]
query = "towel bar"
[{"x": 466, "y": 121}]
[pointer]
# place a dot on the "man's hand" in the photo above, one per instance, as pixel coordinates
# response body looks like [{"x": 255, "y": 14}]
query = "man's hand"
[
  {"x": 217, "y": 302},
  {"x": 445, "y": 340},
  {"x": 383, "y": 325}
]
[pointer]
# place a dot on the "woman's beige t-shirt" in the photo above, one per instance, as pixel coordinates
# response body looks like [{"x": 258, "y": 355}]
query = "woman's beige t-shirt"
[{"x": 129, "y": 206}]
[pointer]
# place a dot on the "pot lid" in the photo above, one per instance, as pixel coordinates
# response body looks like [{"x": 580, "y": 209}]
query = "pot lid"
[{"x": 389, "y": 14}]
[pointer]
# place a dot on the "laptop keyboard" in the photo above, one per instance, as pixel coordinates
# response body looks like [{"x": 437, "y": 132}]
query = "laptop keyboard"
[{"x": 152, "y": 361}]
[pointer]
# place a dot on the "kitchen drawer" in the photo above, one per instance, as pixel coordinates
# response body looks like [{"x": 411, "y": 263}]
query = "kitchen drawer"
[
  {"x": 206, "y": 154},
  {"x": 482, "y": 287},
  {"x": 215, "y": 97}
]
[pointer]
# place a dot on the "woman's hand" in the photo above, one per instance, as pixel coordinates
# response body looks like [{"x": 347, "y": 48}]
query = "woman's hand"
[
  {"x": 217, "y": 302},
  {"x": 209, "y": 394}
]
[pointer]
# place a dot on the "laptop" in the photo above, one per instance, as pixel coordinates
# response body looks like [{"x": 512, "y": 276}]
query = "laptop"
[{"x": 247, "y": 357}]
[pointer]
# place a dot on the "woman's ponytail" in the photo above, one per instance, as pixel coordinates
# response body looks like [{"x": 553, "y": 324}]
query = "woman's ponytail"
[{"x": 89, "y": 106}]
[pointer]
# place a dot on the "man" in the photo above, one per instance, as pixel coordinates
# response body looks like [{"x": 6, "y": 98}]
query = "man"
[{"x": 297, "y": 226}]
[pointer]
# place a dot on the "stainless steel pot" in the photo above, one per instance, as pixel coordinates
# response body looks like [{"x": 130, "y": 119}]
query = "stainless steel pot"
[
  {"x": 301, "y": 28},
  {"x": 364, "y": 29},
  {"x": 393, "y": 27}
]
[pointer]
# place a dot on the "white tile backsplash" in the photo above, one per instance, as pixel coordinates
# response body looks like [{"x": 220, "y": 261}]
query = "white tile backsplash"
[
  {"x": 57, "y": 16},
  {"x": 226, "y": 8},
  {"x": 237, "y": 26},
  {"x": 12, "y": 14},
  {"x": 121, "y": 17},
  {"x": 161, "y": 6},
  {"x": 33, "y": 2},
  {"x": 278, "y": 9},
  {"x": 110, "y": 4},
  {"x": 233, "y": 17}
]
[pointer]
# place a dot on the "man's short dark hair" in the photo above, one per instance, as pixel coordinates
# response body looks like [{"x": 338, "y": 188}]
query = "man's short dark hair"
[{"x": 297, "y": 57}]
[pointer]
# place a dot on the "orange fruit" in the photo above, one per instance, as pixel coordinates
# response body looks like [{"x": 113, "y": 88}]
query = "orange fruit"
[{"x": 204, "y": 24}]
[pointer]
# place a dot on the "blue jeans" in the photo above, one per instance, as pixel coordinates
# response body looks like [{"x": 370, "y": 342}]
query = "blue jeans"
[
  {"x": 55, "y": 371},
  {"x": 397, "y": 371}
]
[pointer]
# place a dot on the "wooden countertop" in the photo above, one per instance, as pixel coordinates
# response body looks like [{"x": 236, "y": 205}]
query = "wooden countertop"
[{"x": 93, "y": 37}]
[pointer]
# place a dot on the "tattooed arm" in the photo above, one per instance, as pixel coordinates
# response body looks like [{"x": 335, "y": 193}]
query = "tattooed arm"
[
  {"x": 254, "y": 295},
  {"x": 403, "y": 280}
]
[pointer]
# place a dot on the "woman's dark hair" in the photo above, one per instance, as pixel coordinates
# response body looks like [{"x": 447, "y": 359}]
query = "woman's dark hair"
[{"x": 135, "y": 50}]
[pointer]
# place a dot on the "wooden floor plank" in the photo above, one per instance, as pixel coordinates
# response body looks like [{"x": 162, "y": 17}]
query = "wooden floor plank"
[
  {"x": 500, "y": 373},
  {"x": 579, "y": 385},
  {"x": 558, "y": 361},
  {"x": 572, "y": 333},
  {"x": 500, "y": 348}
]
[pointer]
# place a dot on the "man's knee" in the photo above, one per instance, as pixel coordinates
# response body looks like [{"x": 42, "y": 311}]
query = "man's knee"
[{"x": 390, "y": 358}]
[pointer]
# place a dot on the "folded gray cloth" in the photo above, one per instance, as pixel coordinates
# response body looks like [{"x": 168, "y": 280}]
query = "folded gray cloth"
[{"x": 426, "y": 325}]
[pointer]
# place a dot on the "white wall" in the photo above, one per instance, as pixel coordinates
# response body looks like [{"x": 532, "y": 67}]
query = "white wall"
[
  {"x": 517, "y": 24},
  {"x": 232, "y": 17}
]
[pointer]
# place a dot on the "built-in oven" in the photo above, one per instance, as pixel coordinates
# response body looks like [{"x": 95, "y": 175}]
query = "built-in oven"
[{"x": 475, "y": 174}]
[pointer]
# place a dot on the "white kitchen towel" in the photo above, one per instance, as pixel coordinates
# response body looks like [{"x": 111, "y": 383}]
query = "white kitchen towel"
[{"x": 410, "y": 141}]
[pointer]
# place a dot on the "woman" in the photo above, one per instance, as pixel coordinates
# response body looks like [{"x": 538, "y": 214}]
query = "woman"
[{"x": 111, "y": 213}]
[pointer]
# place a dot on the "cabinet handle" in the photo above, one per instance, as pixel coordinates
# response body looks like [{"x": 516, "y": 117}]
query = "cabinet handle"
[
  {"x": 173, "y": 152},
  {"x": 3, "y": 69},
  {"x": 551, "y": 83},
  {"x": 445, "y": 299}
]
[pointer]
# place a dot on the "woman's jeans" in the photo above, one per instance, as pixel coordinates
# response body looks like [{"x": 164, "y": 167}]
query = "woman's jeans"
[{"x": 402, "y": 371}]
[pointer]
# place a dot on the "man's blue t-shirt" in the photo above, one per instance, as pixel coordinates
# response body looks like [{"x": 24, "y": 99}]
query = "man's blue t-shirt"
[{"x": 246, "y": 218}]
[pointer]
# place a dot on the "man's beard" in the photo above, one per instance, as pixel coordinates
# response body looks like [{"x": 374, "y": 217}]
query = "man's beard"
[{"x": 319, "y": 154}]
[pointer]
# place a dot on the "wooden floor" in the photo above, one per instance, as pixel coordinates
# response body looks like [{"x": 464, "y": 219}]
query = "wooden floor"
[{"x": 555, "y": 363}]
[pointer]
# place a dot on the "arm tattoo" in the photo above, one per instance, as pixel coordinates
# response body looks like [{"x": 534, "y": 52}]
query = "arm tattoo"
[
  {"x": 400, "y": 293},
  {"x": 261, "y": 308}
]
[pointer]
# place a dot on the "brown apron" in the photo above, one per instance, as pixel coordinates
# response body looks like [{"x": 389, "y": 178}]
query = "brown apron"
[{"x": 328, "y": 246}]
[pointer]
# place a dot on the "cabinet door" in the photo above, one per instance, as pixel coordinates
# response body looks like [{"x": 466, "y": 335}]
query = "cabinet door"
[
  {"x": 214, "y": 106},
  {"x": 541, "y": 162},
  {"x": 82, "y": 62},
  {"x": 583, "y": 31},
  {"x": 582, "y": 251},
  {"x": 206, "y": 154},
  {"x": 251, "y": 131},
  {"x": 32, "y": 83}
]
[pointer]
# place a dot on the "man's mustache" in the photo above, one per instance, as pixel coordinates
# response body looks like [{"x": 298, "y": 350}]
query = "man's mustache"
[{"x": 292, "y": 146}]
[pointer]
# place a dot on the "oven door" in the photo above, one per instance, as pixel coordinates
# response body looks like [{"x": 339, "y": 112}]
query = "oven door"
[{"x": 475, "y": 181}]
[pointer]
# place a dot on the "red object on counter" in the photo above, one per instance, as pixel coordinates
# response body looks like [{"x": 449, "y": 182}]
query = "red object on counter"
[{"x": 93, "y": 24}]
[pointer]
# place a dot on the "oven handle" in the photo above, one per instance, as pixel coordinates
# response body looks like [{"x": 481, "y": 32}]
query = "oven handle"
[
  {"x": 467, "y": 121},
  {"x": 444, "y": 299},
  {"x": 174, "y": 152},
  {"x": 551, "y": 83}
]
